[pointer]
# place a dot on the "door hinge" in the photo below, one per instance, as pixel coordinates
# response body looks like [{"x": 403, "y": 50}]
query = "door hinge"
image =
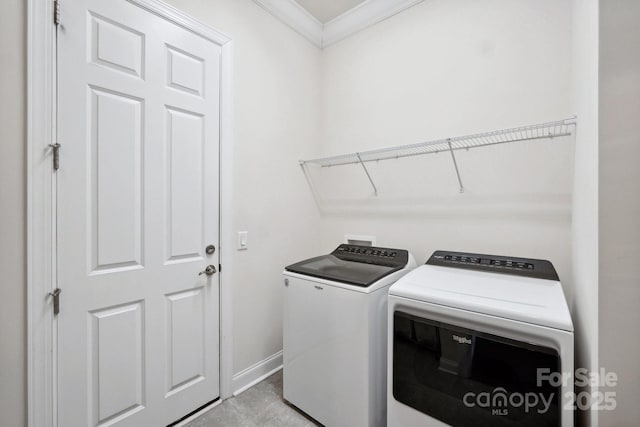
[
  {"x": 56, "y": 155},
  {"x": 56, "y": 12},
  {"x": 219, "y": 268},
  {"x": 55, "y": 294}
]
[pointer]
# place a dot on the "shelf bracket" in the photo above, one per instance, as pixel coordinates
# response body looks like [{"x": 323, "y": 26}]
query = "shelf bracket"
[
  {"x": 375, "y": 190},
  {"x": 312, "y": 187},
  {"x": 455, "y": 164}
]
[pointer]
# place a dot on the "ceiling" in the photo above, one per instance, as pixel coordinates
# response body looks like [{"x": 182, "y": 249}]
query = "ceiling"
[{"x": 325, "y": 10}]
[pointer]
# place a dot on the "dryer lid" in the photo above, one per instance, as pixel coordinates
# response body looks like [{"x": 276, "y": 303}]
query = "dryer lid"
[{"x": 525, "y": 299}]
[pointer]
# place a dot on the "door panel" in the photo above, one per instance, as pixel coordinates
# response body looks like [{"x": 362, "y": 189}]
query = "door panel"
[
  {"x": 117, "y": 365},
  {"x": 116, "y": 125},
  {"x": 186, "y": 354},
  {"x": 185, "y": 71},
  {"x": 116, "y": 46},
  {"x": 138, "y": 201},
  {"x": 185, "y": 167}
]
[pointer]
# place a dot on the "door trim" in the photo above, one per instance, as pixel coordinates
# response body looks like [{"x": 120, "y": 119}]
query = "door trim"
[{"x": 41, "y": 197}]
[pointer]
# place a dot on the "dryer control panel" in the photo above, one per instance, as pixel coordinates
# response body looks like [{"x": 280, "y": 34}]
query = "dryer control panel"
[{"x": 527, "y": 267}]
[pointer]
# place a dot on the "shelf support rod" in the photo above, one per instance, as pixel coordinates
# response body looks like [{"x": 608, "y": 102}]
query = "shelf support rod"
[
  {"x": 455, "y": 164},
  {"x": 375, "y": 190},
  {"x": 314, "y": 192}
]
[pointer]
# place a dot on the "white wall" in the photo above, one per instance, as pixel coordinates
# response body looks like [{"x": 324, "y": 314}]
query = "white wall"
[
  {"x": 447, "y": 68},
  {"x": 13, "y": 338},
  {"x": 276, "y": 120},
  {"x": 585, "y": 191},
  {"x": 619, "y": 151}
]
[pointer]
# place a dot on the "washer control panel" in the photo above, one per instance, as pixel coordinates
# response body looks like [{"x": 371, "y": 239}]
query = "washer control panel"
[
  {"x": 367, "y": 250},
  {"x": 372, "y": 254},
  {"x": 528, "y": 267}
]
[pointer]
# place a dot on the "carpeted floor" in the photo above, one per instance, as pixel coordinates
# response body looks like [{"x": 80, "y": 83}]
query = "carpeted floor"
[{"x": 261, "y": 405}]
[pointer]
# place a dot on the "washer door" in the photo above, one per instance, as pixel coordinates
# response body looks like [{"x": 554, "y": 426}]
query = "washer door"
[{"x": 464, "y": 377}]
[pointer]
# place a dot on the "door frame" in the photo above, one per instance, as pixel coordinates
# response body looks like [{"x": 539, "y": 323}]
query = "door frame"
[{"x": 41, "y": 199}]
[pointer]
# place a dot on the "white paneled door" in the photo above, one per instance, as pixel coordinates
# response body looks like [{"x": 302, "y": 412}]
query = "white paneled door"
[{"x": 138, "y": 198}]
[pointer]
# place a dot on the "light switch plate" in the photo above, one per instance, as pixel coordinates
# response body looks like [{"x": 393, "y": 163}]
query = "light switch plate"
[{"x": 243, "y": 240}]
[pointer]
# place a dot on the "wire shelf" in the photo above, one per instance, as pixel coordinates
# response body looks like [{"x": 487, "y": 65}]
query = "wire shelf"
[{"x": 524, "y": 133}]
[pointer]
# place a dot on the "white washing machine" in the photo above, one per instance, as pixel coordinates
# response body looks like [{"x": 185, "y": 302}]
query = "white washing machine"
[
  {"x": 479, "y": 340},
  {"x": 335, "y": 333}
]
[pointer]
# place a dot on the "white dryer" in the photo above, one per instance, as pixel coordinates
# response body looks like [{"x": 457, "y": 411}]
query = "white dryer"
[
  {"x": 479, "y": 340},
  {"x": 335, "y": 333}
]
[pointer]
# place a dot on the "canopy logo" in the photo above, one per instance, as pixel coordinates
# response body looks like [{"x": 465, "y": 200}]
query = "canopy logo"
[{"x": 499, "y": 401}]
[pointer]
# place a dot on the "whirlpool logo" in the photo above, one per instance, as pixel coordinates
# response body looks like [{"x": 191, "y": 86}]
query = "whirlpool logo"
[{"x": 461, "y": 340}]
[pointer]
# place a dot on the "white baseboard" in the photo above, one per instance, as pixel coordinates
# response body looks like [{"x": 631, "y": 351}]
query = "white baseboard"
[
  {"x": 256, "y": 373},
  {"x": 198, "y": 414},
  {"x": 244, "y": 380}
]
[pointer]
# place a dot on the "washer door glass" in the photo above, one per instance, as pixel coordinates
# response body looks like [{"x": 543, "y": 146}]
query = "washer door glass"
[{"x": 468, "y": 378}]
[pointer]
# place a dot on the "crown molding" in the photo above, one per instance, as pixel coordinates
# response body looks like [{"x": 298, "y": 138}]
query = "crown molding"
[
  {"x": 362, "y": 16},
  {"x": 295, "y": 16}
]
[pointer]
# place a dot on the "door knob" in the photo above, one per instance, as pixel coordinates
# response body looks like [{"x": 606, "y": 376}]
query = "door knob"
[{"x": 210, "y": 270}]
